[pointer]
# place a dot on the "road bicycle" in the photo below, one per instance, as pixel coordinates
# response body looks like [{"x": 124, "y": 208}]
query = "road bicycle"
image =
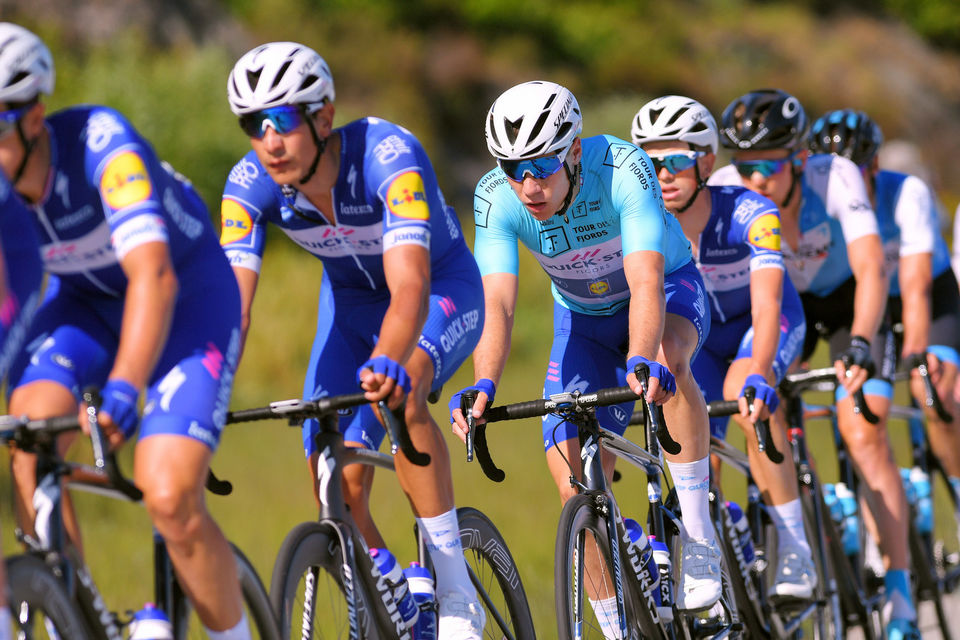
[
  {"x": 324, "y": 582},
  {"x": 594, "y": 555},
  {"x": 49, "y": 546}
]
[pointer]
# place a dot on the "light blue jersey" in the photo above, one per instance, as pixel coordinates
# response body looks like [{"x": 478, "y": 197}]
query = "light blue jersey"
[{"x": 618, "y": 210}]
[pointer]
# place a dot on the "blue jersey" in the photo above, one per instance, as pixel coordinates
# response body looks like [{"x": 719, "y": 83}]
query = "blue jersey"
[
  {"x": 386, "y": 195},
  {"x": 907, "y": 215},
  {"x": 23, "y": 271},
  {"x": 108, "y": 193},
  {"x": 618, "y": 210},
  {"x": 835, "y": 211},
  {"x": 741, "y": 236}
]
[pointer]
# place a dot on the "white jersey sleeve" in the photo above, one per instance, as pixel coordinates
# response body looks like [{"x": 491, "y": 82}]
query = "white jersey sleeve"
[
  {"x": 844, "y": 193},
  {"x": 916, "y": 216}
]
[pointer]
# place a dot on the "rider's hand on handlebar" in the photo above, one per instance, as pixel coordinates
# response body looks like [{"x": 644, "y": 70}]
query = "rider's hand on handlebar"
[
  {"x": 933, "y": 365},
  {"x": 855, "y": 365},
  {"x": 485, "y": 390},
  {"x": 383, "y": 379},
  {"x": 662, "y": 385},
  {"x": 765, "y": 401},
  {"x": 117, "y": 416}
]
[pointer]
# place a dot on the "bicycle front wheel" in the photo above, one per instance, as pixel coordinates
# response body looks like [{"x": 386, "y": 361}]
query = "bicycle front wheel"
[
  {"x": 585, "y": 584},
  {"x": 256, "y": 605},
  {"x": 495, "y": 577},
  {"x": 39, "y": 602}
]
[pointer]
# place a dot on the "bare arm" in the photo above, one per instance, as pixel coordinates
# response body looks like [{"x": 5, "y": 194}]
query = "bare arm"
[
  {"x": 648, "y": 304},
  {"x": 866, "y": 261},
  {"x": 247, "y": 280},
  {"x": 500, "y": 301},
  {"x": 766, "y": 295},
  {"x": 916, "y": 283}
]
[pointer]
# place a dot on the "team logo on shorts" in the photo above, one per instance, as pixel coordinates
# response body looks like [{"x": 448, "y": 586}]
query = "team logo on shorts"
[
  {"x": 407, "y": 198},
  {"x": 599, "y": 288},
  {"x": 765, "y": 232},
  {"x": 125, "y": 181},
  {"x": 235, "y": 221}
]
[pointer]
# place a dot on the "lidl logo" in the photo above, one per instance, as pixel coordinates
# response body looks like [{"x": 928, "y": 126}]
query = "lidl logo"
[
  {"x": 235, "y": 222},
  {"x": 125, "y": 181},
  {"x": 406, "y": 197},
  {"x": 599, "y": 288},
  {"x": 765, "y": 232}
]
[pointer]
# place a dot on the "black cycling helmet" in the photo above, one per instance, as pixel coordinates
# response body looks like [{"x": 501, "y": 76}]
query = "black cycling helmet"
[
  {"x": 848, "y": 133},
  {"x": 764, "y": 119}
]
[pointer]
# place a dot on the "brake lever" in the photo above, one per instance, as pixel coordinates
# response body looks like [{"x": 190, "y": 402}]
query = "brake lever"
[
  {"x": 762, "y": 429},
  {"x": 655, "y": 411}
]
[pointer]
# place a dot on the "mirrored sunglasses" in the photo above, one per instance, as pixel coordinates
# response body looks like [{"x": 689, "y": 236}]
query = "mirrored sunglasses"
[
  {"x": 675, "y": 162},
  {"x": 283, "y": 119},
  {"x": 538, "y": 168},
  {"x": 766, "y": 168}
]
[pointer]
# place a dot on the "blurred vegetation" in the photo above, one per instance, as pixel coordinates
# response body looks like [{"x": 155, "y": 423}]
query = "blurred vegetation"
[{"x": 435, "y": 66}]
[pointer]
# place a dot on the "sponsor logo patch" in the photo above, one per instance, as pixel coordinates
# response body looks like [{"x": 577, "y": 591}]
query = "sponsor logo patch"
[
  {"x": 125, "y": 181},
  {"x": 765, "y": 232},
  {"x": 235, "y": 222},
  {"x": 406, "y": 197}
]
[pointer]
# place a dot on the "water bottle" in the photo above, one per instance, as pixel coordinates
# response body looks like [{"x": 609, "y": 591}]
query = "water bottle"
[
  {"x": 150, "y": 623},
  {"x": 908, "y": 488},
  {"x": 661, "y": 555},
  {"x": 920, "y": 480},
  {"x": 850, "y": 537},
  {"x": 830, "y": 499},
  {"x": 743, "y": 531},
  {"x": 421, "y": 587},
  {"x": 390, "y": 570},
  {"x": 641, "y": 558}
]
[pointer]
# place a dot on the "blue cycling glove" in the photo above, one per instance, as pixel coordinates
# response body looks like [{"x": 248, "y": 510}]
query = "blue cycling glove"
[
  {"x": 483, "y": 384},
  {"x": 391, "y": 369},
  {"x": 764, "y": 391},
  {"x": 120, "y": 401},
  {"x": 657, "y": 370}
]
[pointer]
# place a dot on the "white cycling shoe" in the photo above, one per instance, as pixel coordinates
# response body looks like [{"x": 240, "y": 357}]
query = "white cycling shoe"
[
  {"x": 699, "y": 585},
  {"x": 460, "y": 618},
  {"x": 796, "y": 575}
]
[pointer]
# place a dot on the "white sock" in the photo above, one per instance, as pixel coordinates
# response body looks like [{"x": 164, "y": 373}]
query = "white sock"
[
  {"x": 5, "y": 622},
  {"x": 442, "y": 537},
  {"x": 692, "y": 480},
  {"x": 239, "y": 632},
  {"x": 788, "y": 518},
  {"x": 606, "y": 612}
]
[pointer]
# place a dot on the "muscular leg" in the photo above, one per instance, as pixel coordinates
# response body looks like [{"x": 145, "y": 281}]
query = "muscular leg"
[
  {"x": 172, "y": 471},
  {"x": 39, "y": 400},
  {"x": 944, "y": 437},
  {"x": 685, "y": 412}
]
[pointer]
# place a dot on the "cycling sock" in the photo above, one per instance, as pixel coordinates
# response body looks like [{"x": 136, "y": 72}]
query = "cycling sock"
[
  {"x": 899, "y": 605},
  {"x": 5, "y": 622},
  {"x": 606, "y": 612},
  {"x": 441, "y": 534},
  {"x": 788, "y": 518},
  {"x": 241, "y": 631},
  {"x": 692, "y": 481}
]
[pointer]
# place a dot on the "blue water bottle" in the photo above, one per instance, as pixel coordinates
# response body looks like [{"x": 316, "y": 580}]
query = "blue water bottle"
[
  {"x": 743, "y": 531},
  {"x": 150, "y": 623},
  {"x": 390, "y": 570},
  {"x": 421, "y": 587},
  {"x": 641, "y": 553},
  {"x": 920, "y": 480},
  {"x": 661, "y": 555},
  {"x": 908, "y": 489},
  {"x": 851, "y": 526}
]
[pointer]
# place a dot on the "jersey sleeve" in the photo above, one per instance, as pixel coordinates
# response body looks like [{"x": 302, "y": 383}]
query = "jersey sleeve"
[
  {"x": 248, "y": 196},
  {"x": 495, "y": 246},
  {"x": 635, "y": 192},
  {"x": 117, "y": 165},
  {"x": 846, "y": 200},
  {"x": 396, "y": 171},
  {"x": 916, "y": 217},
  {"x": 758, "y": 222}
]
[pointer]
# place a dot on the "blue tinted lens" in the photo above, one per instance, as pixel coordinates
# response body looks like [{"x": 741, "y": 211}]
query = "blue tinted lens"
[
  {"x": 674, "y": 163},
  {"x": 283, "y": 119},
  {"x": 766, "y": 168},
  {"x": 539, "y": 168}
]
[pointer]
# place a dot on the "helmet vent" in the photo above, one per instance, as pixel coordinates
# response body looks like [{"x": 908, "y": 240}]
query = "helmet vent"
[
  {"x": 278, "y": 76},
  {"x": 538, "y": 125},
  {"x": 564, "y": 128},
  {"x": 513, "y": 128},
  {"x": 253, "y": 77},
  {"x": 17, "y": 78},
  {"x": 309, "y": 80}
]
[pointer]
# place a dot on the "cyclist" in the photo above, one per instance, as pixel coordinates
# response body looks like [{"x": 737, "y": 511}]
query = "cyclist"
[
  {"x": 133, "y": 262},
  {"x": 757, "y": 325},
  {"x": 400, "y": 301},
  {"x": 625, "y": 292},
  {"x": 924, "y": 294},
  {"x": 834, "y": 256}
]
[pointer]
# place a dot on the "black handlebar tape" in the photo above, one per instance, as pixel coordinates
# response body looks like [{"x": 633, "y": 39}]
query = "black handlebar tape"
[{"x": 517, "y": 411}]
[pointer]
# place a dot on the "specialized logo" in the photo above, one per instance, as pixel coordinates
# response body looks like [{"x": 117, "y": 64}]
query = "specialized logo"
[
  {"x": 406, "y": 197},
  {"x": 765, "y": 232},
  {"x": 235, "y": 222},
  {"x": 125, "y": 181}
]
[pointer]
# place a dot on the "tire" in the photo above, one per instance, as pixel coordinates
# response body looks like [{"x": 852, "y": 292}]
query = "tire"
[
  {"x": 827, "y": 620},
  {"x": 39, "y": 600},
  {"x": 256, "y": 605},
  {"x": 579, "y": 523},
  {"x": 495, "y": 576},
  {"x": 310, "y": 559},
  {"x": 742, "y": 582}
]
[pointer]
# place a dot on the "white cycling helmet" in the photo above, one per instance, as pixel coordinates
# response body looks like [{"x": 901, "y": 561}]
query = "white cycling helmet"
[
  {"x": 532, "y": 119},
  {"x": 279, "y": 73},
  {"x": 675, "y": 118},
  {"x": 26, "y": 66}
]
